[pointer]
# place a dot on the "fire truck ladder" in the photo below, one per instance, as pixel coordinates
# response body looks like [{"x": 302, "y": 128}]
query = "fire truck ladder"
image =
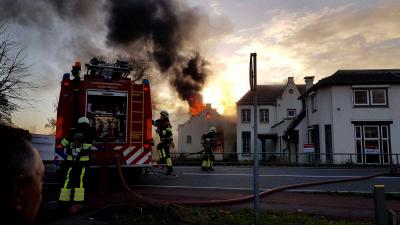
[{"x": 137, "y": 117}]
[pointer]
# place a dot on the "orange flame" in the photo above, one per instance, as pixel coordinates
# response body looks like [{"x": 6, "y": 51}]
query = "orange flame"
[{"x": 196, "y": 104}]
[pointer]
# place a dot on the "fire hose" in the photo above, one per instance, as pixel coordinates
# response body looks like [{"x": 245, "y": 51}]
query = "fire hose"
[{"x": 244, "y": 198}]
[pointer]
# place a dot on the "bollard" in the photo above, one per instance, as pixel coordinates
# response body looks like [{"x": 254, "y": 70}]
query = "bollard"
[
  {"x": 381, "y": 217},
  {"x": 392, "y": 217}
]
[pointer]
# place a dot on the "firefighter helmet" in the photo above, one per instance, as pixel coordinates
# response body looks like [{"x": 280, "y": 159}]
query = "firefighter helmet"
[
  {"x": 212, "y": 129},
  {"x": 164, "y": 113},
  {"x": 83, "y": 120}
]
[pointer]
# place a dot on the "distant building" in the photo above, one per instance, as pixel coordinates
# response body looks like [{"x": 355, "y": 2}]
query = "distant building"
[
  {"x": 190, "y": 132},
  {"x": 352, "y": 116},
  {"x": 277, "y": 108}
]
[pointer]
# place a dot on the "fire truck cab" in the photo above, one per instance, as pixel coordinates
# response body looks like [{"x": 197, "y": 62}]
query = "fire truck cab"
[{"x": 118, "y": 108}]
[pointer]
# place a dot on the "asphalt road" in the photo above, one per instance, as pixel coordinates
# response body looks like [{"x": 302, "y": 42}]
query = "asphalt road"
[
  {"x": 228, "y": 182},
  {"x": 241, "y": 178}
]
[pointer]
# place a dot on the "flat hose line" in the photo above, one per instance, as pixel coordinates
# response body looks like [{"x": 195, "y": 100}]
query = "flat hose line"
[{"x": 240, "y": 199}]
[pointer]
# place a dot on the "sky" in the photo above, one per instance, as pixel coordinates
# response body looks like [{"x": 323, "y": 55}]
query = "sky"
[{"x": 292, "y": 38}]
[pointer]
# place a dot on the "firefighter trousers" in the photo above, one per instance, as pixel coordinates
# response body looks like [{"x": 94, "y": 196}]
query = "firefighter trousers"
[
  {"x": 208, "y": 160},
  {"x": 165, "y": 157},
  {"x": 74, "y": 184}
]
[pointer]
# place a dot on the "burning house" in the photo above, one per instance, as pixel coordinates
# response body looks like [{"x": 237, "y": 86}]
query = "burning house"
[{"x": 190, "y": 132}]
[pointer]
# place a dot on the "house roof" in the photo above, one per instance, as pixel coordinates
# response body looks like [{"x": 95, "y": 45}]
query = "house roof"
[
  {"x": 267, "y": 94},
  {"x": 359, "y": 77}
]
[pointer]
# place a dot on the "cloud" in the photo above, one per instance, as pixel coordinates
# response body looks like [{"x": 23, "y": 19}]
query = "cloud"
[{"x": 321, "y": 42}]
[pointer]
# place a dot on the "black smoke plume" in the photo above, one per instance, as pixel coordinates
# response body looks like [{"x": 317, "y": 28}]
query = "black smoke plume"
[
  {"x": 165, "y": 28},
  {"x": 189, "y": 80},
  {"x": 166, "y": 31}
]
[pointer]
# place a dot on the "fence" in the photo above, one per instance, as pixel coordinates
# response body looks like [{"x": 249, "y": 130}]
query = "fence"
[{"x": 283, "y": 158}]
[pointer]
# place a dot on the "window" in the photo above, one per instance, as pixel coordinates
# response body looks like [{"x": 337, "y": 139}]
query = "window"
[
  {"x": 372, "y": 143},
  {"x": 246, "y": 142},
  {"x": 370, "y": 97},
  {"x": 313, "y": 103},
  {"x": 361, "y": 97},
  {"x": 313, "y": 138},
  {"x": 245, "y": 115},
  {"x": 264, "y": 116},
  {"x": 107, "y": 113},
  {"x": 188, "y": 139},
  {"x": 291, "y": 113},
  {"x": 378, "y": 97}
]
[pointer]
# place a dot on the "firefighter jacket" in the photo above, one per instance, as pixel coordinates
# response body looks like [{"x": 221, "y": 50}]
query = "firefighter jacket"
[
  {"x": 209, "y": 140},
  {"x": 164, "y": 129},
  {"x": 78, "y": 145}
]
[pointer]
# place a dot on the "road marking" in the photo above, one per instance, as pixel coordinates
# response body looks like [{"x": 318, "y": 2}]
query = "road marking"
[
  {"x": 266, "y": 175},
  {"x": 283, "y": 175},
  {"x": 386, "y": 177},
  {"x": 332, "y": 192},
  {"x": 251, "y": 189},
  {"x": 194, "y": 187}
]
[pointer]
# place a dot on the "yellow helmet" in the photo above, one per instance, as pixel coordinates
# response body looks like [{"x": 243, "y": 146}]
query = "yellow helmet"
[
  {"x": 164, "y": 113},
  {"x": 212, "y": 129},
  {"x": 83, "y": 120}
]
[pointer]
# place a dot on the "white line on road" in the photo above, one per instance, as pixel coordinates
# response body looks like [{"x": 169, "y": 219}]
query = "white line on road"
[
  {"x": 194, "y": 187},
  {"x": 342, "y": 192},
  {"x": 251, "y": 189},
  {"x": 265, "y": 175},
  {"x": 282, "y": 175}
]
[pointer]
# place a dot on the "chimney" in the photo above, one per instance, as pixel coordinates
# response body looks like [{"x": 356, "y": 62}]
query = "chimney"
[
  {"x": 290, "y": 80},
  {"x": 309, "y": 80}
]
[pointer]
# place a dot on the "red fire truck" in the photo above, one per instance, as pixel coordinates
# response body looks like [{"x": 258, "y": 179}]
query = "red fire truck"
[{"x": 118, "y": 108}]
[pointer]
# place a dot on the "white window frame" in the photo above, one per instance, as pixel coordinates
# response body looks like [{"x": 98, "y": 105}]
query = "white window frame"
[
  {"x": 360, "y": 140},
  {"x": 291, "y": 110},
  {"x": 377, "y": 139},
  {"x": 245, "y": 115},
  {"x": 385, "y": 158},
  {"x": 380, "y": 139},
  {"x": 370, "y": 97},
  {"x": 354, "y": 97},
  {"x": 246, "y": 144},
  {"x": 313, "y": 103},
  {"x": 264, "y": 117}
]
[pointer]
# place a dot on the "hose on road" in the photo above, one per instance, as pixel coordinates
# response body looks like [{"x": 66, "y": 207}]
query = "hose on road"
[{"x": 244, "y": 198}]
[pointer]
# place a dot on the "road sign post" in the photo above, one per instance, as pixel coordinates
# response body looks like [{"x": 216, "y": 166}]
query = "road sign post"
[{"x": 253, "y": 86}]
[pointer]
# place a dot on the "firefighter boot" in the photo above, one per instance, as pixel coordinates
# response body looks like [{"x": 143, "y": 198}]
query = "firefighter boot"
[
  {"x": 204, "y": 165},
  {"x": 211, "y": 163},
  {"x": 169, "y": 170}
]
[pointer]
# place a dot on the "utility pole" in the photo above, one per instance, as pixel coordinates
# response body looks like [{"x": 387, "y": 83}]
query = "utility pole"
[{"x": 253, "y": 86}]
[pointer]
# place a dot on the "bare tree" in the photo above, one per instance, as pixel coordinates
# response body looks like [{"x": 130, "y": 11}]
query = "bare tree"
[
  {"x": 140, "y": 65},
  {"x": 140, "y": 68},
  {"x": 14, "y": 77},
  {"x": 52, "y": 122}
]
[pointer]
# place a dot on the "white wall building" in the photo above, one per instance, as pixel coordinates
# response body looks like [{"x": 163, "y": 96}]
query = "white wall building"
[
  {"x": 352, "y": 116},
  {"x": 190, "y": 132},
  {"x": 277, "y": 107}
]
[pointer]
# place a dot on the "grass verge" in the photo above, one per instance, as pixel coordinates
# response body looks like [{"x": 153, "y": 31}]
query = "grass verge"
[{"x": 176, "y": 215}]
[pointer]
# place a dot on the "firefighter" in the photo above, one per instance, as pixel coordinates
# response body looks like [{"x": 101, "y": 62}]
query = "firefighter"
[
  {"x": 209, "y": 142},
  {"x": 77, "y": 148},
  {"x": 164, "y": 130}
]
